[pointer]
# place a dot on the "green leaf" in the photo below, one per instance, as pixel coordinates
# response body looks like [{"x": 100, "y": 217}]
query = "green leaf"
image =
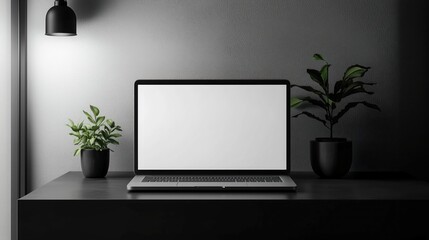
[
  {"x": 310, "y": 115},
  {"x": 100, "y": 120},
  {"x": 110, "y": 123},
  {"x": 355, "y": 71},
  {"x": 76, "y": 141},
  {"x": 89, "y": 117},
  {"x": 76, "y": 152},
  {"x": 356, "y": 84},
  {"x": 318, "y": 57},
  {"x": 324, "y": 73},
  {"x": 80, "y": 125},
  {"x": 352, "y": 105},
  {"x": 295, "y": 102},
  {"x": 365, "y": 83},
  {"x": 71, "y": 122},
  {"x": 105, "y": 134},
  {"x": 74, "y": 134},
  {"x": 116, "y": 135},
  {"x": 371, "y": 105},
  {"x": 312, "y": 90},
  {"x": 354, "y": 91},
  {"x": 91, "y": 141},
  {"x": 338, "y": 86},
  {"x": 314, "y": 102},
  {"x": 114, "y": 141},
  {"x": 100, "y": 142},
  {"x": 317, "y": 77},
  {"x": 94, "y": 110},
  {"x": 344, "y": 89},
  {"x": 309, "y": 89}
]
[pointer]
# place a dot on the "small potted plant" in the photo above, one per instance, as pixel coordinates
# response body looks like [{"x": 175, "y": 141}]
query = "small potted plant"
[
  {"x": 92, "y": 142},
  {"x": 331, "y": 157}
]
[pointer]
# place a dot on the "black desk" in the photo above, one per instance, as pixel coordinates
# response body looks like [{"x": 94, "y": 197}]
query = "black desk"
[{"x": 361, "y": 206}]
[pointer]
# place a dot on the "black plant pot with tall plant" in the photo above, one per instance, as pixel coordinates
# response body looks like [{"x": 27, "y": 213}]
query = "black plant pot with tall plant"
[
  {"x": 92, "y": 142},
  {"x": 331, "y": 157}
]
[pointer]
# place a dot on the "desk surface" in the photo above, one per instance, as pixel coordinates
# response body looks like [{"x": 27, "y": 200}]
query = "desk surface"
[{"x": 356, "y": 186}]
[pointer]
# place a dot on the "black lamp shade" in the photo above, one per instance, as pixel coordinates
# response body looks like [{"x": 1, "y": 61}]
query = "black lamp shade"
[{"x": 60, "y": 20}]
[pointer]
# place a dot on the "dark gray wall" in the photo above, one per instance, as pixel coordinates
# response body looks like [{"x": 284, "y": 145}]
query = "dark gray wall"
[
  {"x": 121, "y": 41},
  {"x": 412, "y": 140}
]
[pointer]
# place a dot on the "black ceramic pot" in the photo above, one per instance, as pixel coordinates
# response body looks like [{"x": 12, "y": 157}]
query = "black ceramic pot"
[
  {"x": 331, "y": 157},
  {"x": 95, "y": 164}
]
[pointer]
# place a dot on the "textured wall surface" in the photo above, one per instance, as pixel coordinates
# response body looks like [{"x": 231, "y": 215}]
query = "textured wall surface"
[
  {"x": 5, "y": 137},
  {"x": 121, "y": 41}
]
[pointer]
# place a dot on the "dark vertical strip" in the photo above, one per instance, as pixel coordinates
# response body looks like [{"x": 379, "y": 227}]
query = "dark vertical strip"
[
  {"x": 18, "y": 108},
  {"x": 23, "y": 96},
  {"x": 413, "y": 126}
]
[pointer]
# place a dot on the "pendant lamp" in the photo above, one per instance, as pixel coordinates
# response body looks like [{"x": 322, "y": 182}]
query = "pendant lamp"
[{"x": 60, "y": 20}]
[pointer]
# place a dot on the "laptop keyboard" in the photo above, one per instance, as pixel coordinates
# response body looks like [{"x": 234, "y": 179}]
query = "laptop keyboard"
[{"x": 212, "y": 179}]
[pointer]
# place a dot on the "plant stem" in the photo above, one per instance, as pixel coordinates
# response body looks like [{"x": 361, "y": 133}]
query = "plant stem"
[
  {"x": 332, "y": 124},
  {"x": 331, "y": 128}
]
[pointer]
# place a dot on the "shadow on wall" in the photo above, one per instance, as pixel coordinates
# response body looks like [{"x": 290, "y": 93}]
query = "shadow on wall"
[
  {"x": 89, "y": 9},
  {"x": 414, "y": 86}
]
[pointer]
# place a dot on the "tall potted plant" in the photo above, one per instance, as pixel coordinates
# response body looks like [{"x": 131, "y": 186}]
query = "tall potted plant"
[
  {"x": 331, "y": 156},
  {"x": 92, "y": 141}
]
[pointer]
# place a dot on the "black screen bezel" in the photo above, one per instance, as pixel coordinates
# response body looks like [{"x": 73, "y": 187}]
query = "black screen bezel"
[{"x": 211, "y": 82}]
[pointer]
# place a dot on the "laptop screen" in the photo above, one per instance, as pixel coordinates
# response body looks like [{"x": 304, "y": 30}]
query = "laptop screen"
[{"x": 211, "y": 127}]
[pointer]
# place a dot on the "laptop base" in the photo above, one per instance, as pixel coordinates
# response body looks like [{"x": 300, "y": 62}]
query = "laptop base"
[{"x": 137, "y": 184}]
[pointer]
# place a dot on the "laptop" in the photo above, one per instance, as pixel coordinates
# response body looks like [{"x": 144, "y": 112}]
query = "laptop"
[{"x": 211, "y": 135}]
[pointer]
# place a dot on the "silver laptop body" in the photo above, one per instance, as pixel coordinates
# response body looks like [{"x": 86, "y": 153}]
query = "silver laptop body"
[{"x": 211, "y": 135}]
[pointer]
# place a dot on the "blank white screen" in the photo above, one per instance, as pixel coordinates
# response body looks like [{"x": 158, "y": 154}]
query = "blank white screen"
[{"x": 212, "y": 127}]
